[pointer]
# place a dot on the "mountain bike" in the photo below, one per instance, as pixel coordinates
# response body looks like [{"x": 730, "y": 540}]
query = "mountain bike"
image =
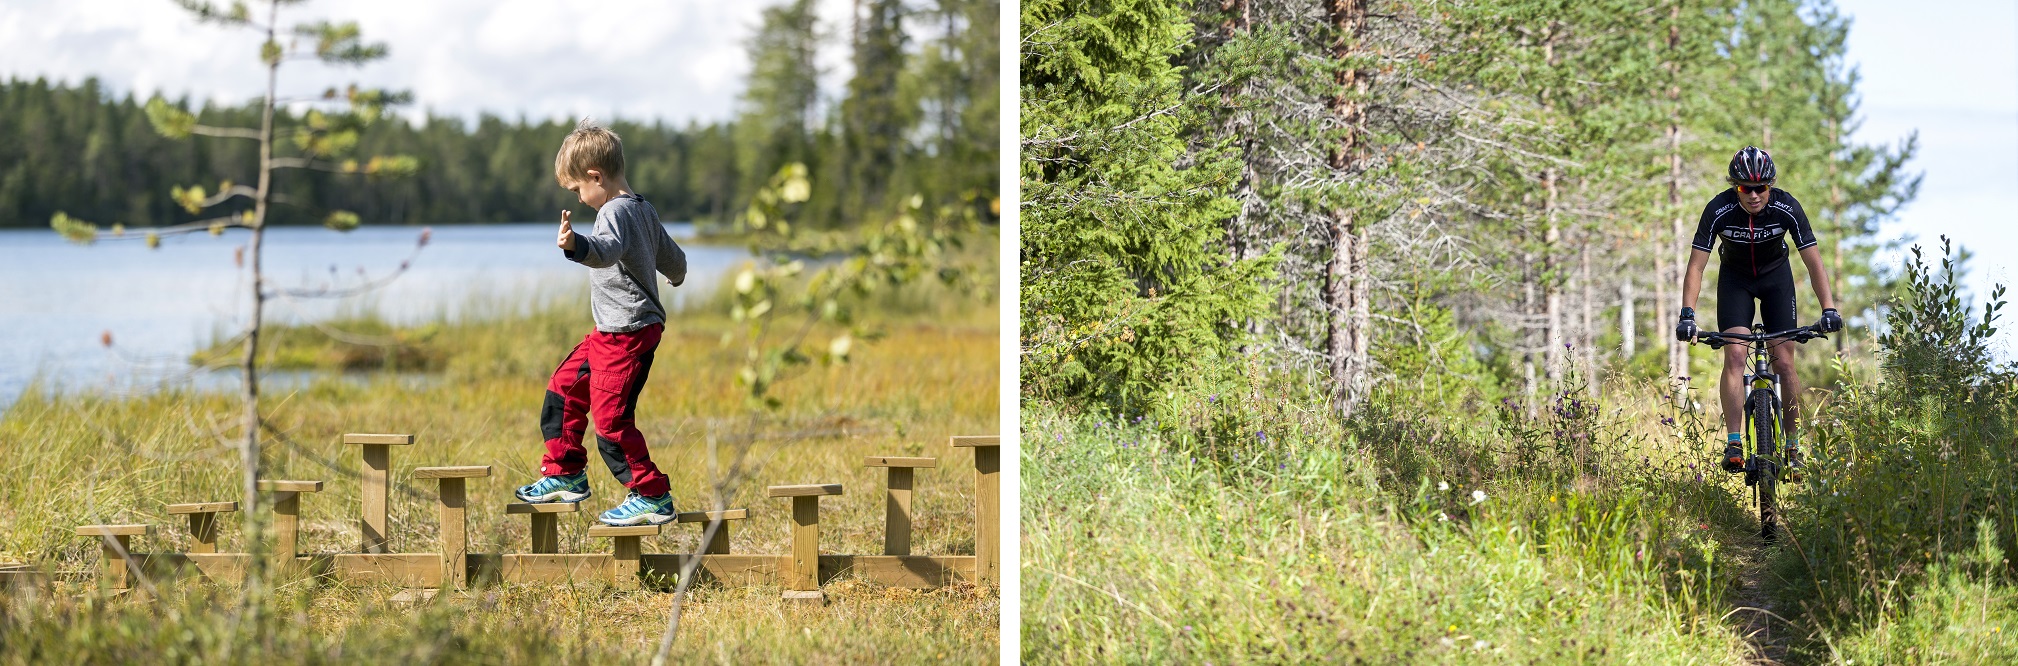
[{"x": 1763, "y": 418}]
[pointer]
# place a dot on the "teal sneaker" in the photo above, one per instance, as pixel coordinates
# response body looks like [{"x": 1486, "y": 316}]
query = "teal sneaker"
[
  {"x": 564, "y": 489},
  {"x": 640, "y": 510}
]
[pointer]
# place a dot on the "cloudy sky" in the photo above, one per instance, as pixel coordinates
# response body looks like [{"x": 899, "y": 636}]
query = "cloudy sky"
[{"x": 671, "y": 60}]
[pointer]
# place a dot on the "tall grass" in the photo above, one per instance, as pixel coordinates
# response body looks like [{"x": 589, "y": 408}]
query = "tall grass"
[
  {"x": 80, "y": 459},
  {"x": 1238, "y": 526},
  {"x": 1898, "y": 541}
]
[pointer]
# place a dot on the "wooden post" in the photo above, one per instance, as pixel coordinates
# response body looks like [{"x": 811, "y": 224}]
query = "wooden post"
[
  {"x": 802, "y": 579},
  {"x": 897, "y": 507},
  {"x": 987, "y": 506},
  {"x": 546, "y": 529},
  {"x": 203, "y": 522},
  {"x": 116, "y": 543},
  {"x": 376, "y": 478},
  {"x": 627, "y": 551},
  {"x": 720, "y": 544},
  {"x": 287, "y": 516},
  {"x": 454, "y": 520}
]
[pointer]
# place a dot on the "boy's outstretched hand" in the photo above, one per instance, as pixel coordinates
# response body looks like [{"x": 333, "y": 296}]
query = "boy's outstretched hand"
[{"x": 567, "y": 237}]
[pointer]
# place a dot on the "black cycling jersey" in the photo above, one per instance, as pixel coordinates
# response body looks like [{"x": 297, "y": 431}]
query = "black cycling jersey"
[{"x": 1754, "y": 245}]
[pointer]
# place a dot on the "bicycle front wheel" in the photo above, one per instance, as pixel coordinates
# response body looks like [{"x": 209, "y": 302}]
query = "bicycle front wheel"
[{"x": 1765, "y": 461}]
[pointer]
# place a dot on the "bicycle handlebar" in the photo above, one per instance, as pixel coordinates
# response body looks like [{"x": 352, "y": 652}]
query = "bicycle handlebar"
[{"x": 1802, "y": 334}]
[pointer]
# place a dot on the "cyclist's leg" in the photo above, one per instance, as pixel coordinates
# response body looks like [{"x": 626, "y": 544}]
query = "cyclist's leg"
[
  {"x": 1781, "y": 312},
  {"x": 1734, "y": 315}
]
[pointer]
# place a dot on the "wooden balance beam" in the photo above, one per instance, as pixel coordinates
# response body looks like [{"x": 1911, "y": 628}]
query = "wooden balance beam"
[
  {"x": 375, "y": 478},
  {"x": 987, "y": 505},
  {"x": 453, "y": 507},
  {"x": 287, "y": 515},
  {"x": 546, "y": 524},
  {"x": 624, "y": 561},
  {"x": 897, "y": 506},
  {"x": 719, "y": 545},
  {"x": 802, "y": 578},
  {"x": 203, "y": 522},
  {"x": 117, "y": 542}
]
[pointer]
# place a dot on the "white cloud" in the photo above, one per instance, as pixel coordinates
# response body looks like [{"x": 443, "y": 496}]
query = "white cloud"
[{"x": 674, "y": 61}]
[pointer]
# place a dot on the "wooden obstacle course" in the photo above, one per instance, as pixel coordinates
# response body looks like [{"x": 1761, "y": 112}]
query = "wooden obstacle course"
[
  {"x": 203, "y": 522},
  {"x": 375, "y": 479},
  {"x": 802, "y": 580},
  {"x": 897, "y": 505},
  {"x": 719, "y": 545},
  {"x": 800, "y": 573}
]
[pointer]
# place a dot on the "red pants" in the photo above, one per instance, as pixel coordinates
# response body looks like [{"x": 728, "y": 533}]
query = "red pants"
[{"x": 601, "y": 379}]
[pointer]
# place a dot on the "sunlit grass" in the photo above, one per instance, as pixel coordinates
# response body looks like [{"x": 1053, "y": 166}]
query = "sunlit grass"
[{"x": 83, "y": 459}]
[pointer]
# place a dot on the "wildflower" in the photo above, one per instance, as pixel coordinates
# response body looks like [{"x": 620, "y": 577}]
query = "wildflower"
[
  {"x": 1441, "y": 518},
  {"x": 1477, "y": 496},
  {"x": 1443, "y": 486},
  {"x": 1212, "y": 398},
  {"x": 1260, "y": 434},
  {"x": 1480, "y": 645}
]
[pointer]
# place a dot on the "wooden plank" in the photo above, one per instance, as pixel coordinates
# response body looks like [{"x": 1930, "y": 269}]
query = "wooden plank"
[
  {"x": 624, "y": 563},
  {"x": 725, "y": 569},
  {"x": 897, "y": 513},
  {"x": 977, "y": 440},
  {"x": 895, "y": 461},
  {"x": 625, "y": 530},
  {"x": 808, "y": 490},
  {"x": 545, "y": 507},
  {"x": 210, "y": 566},
  {"x": 550, "y": 568},
  {"x": 805, "y": 571},
  {"x": 202, "y": 507},
  {"x": 705, "y": 516},
  {"x": 546, "y": 533},
  {"x": 454, "y": 533},
  {"x": 286, "y": 520},
  {"x": 362, "y": 438},
  {"x": 463, "y": 472},
  {"x": 273, "y": 485},
  {"x": 410, "y": 569},
  {"x": 115, "y": 530},
  {"x": 112, "y": 566},
  {"x": 908, "y": 571},
  {"x": 988, "y": 514},
  {"x": 375, "y": 478},
  {"x": 203, "y": 530}
]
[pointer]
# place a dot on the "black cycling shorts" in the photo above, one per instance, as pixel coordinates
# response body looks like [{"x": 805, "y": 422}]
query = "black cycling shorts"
[{"x": 1774, "y": 292}]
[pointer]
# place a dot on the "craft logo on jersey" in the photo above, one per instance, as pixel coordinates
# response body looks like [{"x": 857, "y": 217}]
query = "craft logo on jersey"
[{"x": 1753, "y": 234}]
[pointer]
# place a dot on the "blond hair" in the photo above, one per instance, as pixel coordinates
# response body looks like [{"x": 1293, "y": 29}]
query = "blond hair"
[{"x": 590, "y": 146}]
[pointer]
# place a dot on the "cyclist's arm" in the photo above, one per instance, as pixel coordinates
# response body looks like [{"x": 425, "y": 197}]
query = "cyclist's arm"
[
  {"x": 1692, "y": 283},
  {"x": 1818, "y": 277}
]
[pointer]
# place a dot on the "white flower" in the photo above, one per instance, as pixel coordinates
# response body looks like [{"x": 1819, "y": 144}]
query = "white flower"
[
  {"x": 1443, "y": 485},
  {"x": 1440, "y": 517},
  {"x": 1477, "y": 496}
]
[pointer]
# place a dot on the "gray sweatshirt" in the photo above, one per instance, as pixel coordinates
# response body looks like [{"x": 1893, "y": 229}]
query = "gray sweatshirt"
[{"x": 626, "y": 251}]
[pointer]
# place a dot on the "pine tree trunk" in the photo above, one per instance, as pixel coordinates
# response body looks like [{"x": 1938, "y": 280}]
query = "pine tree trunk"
[
  {"x": 1343, "y": 290},
  {"x": 1552, "y": 295},
  {"x": 1587, "y": 338},
  {"x": 1678, "y": 352},
  {"x": 1627, "y": 341}
]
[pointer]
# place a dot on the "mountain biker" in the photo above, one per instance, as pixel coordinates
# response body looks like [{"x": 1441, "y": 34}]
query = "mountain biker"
[{"x": 1754, "y": 218}]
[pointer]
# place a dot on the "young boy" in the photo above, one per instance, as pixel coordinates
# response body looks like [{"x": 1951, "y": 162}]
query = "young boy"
[{"x": 601, "y": 378}]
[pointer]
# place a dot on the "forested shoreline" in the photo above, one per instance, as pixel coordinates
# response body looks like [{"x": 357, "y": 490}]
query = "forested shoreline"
[{"x": 918, "y": 117}]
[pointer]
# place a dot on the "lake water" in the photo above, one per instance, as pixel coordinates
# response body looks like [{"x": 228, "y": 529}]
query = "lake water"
[{"x": 59, "y": 300}]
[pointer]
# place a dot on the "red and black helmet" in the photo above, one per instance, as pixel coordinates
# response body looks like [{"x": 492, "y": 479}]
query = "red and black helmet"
[{"x": 1752, "y": 165}]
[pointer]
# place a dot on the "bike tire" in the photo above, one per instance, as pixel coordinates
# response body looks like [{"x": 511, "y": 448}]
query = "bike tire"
[{"x": 1765, "y": 417}]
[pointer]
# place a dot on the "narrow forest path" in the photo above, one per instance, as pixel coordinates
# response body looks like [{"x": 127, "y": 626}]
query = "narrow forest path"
[{"x": 1758, "y": 621}]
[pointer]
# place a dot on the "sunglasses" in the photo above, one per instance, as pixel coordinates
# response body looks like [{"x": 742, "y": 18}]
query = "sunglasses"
[{"x": 1753, "y": 189}]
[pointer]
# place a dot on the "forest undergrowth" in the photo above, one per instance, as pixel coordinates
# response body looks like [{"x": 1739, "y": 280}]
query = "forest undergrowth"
[{"x": 1238, "y": 522}]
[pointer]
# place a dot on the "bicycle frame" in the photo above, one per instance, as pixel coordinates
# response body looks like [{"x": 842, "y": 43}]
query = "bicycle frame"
[{"x": 1763, "y": 418}]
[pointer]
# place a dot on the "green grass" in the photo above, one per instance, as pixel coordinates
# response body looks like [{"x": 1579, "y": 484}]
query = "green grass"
[
  {"x": 80, "y": 459},
  {"x": 1293, "y": 538}
]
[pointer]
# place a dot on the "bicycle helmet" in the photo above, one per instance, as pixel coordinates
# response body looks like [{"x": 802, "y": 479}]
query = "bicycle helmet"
[{"x": 1752, "y": 165}]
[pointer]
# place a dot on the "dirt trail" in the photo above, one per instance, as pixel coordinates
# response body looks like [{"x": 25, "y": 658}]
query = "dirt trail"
[{"x": 1759, "y": 622}]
